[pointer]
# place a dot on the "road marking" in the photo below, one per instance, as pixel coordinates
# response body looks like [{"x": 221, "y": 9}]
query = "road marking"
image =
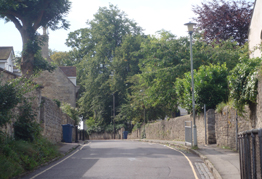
[
  {"x": 190, "y": 163},
  {"x": 60, "y": 161},
  {"x": 133, "y": 159}
]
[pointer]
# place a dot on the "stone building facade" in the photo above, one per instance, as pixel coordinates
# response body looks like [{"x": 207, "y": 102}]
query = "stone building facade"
[
  {"x": 61, "y": 83},
  {"x": 57, "y": 86}
]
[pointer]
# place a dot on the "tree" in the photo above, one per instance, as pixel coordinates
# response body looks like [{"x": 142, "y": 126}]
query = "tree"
[
  {"x": 28, "y": 16},
  {"x": 106, "y": 49},
  {"x": 62, "y": 59},
  {"x": 221, "y": 19},
  {"x": 211, "y": 87}
]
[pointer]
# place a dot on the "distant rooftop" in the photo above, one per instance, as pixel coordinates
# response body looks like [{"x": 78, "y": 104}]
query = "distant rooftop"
[
  {"x": 69, "y": 71},
  {"x": 5, "y": 52}
]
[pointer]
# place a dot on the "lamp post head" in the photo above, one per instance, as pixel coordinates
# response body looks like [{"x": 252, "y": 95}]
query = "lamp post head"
[{"x": 190, "y": 27}]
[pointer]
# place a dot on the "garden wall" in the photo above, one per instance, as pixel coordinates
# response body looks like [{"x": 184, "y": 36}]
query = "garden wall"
[
  {"x": 174, "y": 129},
  {"x": 102, "y": 136},
  {"x": 48, "y": 114},
  {"x": 51, "y": 120}
]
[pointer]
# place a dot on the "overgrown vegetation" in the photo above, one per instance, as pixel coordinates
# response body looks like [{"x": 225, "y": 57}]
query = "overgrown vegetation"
[
  {"x": 71, "y": 112},
  {"x": 18, "y": 156},
  {"x": 27, "y": 149}
]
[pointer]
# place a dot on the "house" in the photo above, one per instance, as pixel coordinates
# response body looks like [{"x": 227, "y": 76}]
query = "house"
[
  {"x": 255, "y": 30},
  {"x": 60, "y": 84},
  {"x": 6, "y": 58}
]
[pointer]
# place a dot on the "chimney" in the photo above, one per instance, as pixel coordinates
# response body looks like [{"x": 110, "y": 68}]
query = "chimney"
[{"x": 45, "y": 53}]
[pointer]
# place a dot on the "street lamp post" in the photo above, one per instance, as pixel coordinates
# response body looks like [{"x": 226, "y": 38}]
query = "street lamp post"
[
  {"x": 114, "y": 112},
  {"x": 190, "y": 26}
]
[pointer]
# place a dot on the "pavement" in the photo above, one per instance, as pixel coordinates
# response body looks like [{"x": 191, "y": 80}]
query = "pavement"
[{"x": 222, "y": 163}]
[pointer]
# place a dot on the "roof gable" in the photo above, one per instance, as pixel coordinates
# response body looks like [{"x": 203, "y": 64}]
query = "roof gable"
[
  {"x": 5, "y": 52},
  {"x": 70, "y": 71}
]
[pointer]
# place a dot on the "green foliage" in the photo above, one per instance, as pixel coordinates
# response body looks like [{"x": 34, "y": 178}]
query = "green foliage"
[
  {"x": 93, "y": 126},
  {"x": 58, "y": 103},
  {"x": 210, "y": 84},
  {"x": 40, "y": 64},
  {"x": 28, "y": 16},
  {"x": 137, "y": 126},
  {"x": 106, "y": 48},
  {"x": 19, "y": 156},
  {"x": 243, "y": 82},
  {"x": 26, "y": 128},
  {"x": 63, "y": 58},
  {"x": 71, "y": 112},
  {"x": 11, "y": 94}
]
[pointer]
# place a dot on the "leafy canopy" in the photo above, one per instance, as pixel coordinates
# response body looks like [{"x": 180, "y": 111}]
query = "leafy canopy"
[
  {"x": 28, "y": 16},
  {"x": 222, "y": 19},
  {"x": 210, "y": 87}
]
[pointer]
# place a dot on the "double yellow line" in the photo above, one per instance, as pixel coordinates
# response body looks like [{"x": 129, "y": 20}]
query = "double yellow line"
[{"x": 189, "y": 161}]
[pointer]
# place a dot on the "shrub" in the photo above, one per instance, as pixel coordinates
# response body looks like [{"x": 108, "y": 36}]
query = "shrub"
[
  {"x": 210, "y": 84},
  {"x": 243, "y": 83},
  {"x": 25, "y": 127},
  {"x": 71, "y": 112}
]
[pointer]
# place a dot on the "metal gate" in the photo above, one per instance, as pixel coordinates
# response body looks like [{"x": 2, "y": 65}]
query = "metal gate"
[{"x": 188, "y": 133}]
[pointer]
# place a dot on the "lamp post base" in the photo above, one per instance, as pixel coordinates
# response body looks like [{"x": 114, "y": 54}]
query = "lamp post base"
[{"x": 195, "y": 135}]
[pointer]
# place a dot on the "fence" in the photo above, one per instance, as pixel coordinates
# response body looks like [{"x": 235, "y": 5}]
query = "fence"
[
  {"x": 250, "y": 153},
  {"x": 188, "y": 133}
]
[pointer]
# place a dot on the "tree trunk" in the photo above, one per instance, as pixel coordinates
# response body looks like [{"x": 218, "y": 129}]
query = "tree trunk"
[{"x": 27, "y": 61}]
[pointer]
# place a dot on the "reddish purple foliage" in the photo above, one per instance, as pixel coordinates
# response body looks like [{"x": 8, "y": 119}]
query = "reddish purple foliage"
[{"x": 220, "y": 19}]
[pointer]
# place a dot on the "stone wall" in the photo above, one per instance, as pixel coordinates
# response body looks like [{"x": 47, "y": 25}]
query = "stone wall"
[
  {"x": 57, "y": 86},
  {"x": 6, "y": 76},
  {"x": 51, "y": 119},
  {"x": 102, "y": 136},
  {"x": 226, "y": 126},
  {"x": 174, "y": 129}
]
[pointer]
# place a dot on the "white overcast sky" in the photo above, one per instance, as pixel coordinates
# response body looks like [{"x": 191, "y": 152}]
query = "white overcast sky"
[{"x": 151, "y": 15}]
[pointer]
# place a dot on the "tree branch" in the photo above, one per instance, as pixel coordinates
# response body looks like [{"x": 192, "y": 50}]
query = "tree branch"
[
  {"x": 15, "y": 21},
  {"x": 39, "y": 18}
]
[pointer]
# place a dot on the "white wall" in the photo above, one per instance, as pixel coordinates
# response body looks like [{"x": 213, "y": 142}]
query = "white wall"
[
  {"x": 255, "y": 30},
  {"x": 73, "y": 79}
]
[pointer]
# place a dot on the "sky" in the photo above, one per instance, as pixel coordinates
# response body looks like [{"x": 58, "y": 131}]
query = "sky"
[{"x": 151, "y": 15}]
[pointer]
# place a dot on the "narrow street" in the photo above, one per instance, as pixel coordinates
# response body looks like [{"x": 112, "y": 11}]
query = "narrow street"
[{"x": 123, "y": 159}]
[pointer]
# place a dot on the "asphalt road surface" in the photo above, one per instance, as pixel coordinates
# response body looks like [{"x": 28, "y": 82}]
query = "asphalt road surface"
[{"x": 122, "y": 159}]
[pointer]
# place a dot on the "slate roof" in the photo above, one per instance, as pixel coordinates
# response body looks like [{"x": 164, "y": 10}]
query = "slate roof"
[
  {"x": 5, "y": 52},
  {"x": 69, "y": 71}
]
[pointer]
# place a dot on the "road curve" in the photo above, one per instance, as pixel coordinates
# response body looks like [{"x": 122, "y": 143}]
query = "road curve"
[{"x": 121, "y": 159}]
